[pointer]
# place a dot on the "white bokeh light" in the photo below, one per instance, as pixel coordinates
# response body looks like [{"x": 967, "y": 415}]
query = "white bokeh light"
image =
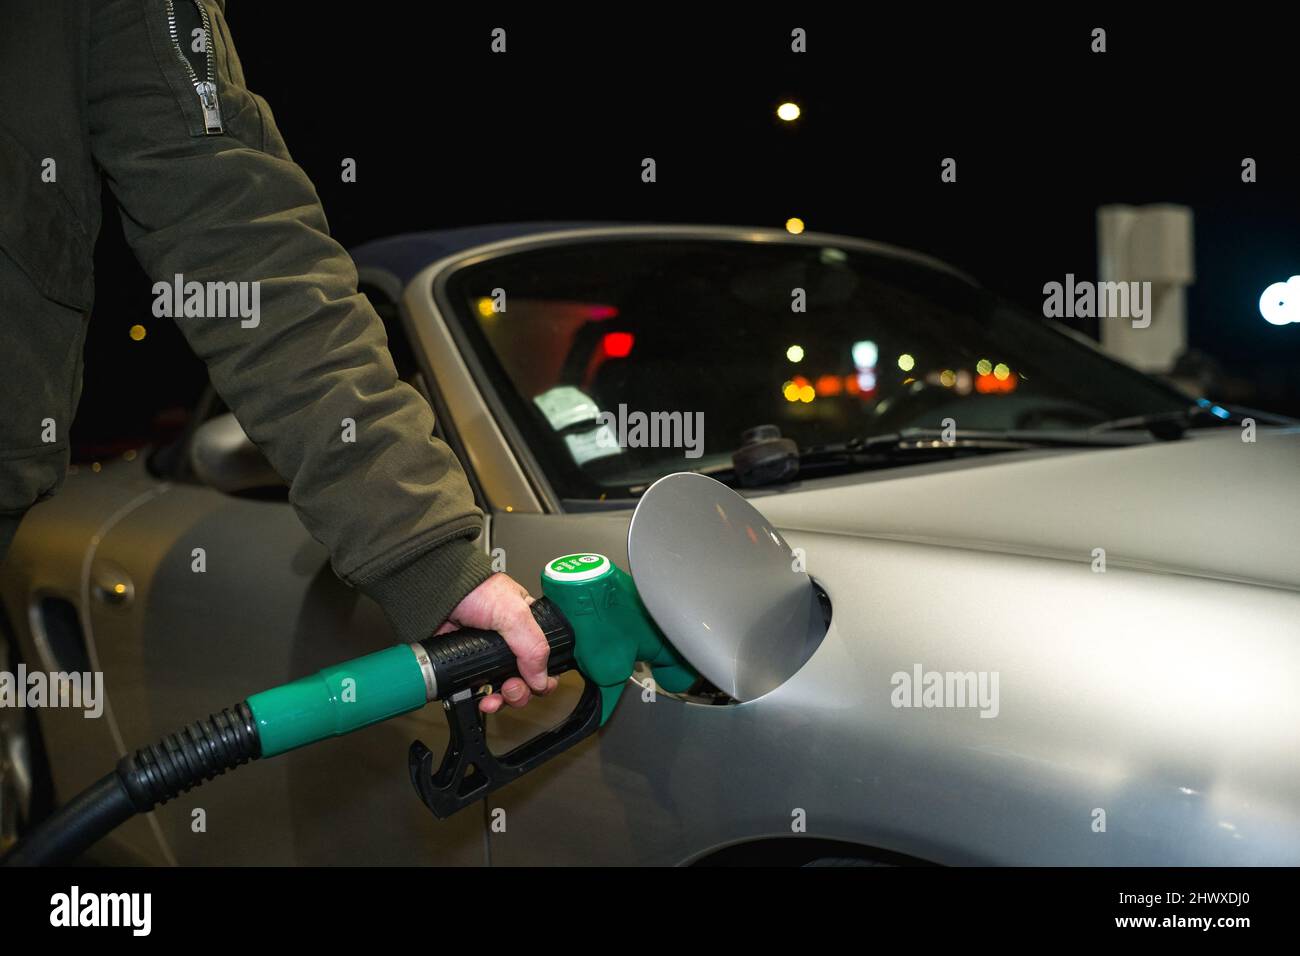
[{"x": 1280, "y": 303}]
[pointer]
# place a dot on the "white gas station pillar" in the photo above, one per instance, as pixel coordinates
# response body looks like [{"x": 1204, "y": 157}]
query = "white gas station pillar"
[{"x": 1147, "y": 244}]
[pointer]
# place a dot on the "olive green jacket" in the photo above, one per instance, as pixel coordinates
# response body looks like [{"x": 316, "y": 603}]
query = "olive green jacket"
[{"x": 98, "y": 91}]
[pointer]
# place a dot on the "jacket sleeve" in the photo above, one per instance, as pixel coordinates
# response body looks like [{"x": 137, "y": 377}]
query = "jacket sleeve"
[{"x": 393, "y": 505}]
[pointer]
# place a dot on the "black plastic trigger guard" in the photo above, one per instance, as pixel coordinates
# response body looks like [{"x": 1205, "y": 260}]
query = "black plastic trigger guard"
[{"x": 469, "y": 771}]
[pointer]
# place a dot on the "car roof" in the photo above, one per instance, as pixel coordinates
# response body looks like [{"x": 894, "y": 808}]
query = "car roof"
[{"x": 404, "y": 255}]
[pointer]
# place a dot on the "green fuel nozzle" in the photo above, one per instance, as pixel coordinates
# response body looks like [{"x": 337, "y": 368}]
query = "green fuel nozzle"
[
  {"x": 612, "y": 628},
  {"x": 592, "y": 618}
]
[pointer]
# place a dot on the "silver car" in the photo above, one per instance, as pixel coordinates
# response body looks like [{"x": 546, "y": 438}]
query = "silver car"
[{"x": 1110, "y": 568}]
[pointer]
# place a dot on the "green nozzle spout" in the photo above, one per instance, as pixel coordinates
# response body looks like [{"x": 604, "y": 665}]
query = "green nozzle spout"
[
  {"x": 612, "y": 629},
  {"x": 339, "y": 699}
]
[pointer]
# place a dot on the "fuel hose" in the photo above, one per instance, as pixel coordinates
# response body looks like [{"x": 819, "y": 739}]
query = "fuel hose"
[{"x": 335, "y": 701}]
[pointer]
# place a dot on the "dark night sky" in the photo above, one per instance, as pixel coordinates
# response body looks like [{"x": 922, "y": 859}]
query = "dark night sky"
[{"x": 447, "y": 134}]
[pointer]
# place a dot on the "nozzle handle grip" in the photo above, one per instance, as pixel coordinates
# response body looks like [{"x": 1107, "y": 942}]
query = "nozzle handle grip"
[{"x": 468, "y": 658}]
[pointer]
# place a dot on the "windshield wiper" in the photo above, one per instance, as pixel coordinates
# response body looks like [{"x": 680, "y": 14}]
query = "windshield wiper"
[
  {"x": 779, "y": 463},
  {"x": 1170, "y": 426},
  {"x": 922, "y": 440}
]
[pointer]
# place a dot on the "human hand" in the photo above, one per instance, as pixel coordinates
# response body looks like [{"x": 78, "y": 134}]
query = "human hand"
[{"x": 501, "y": 604}]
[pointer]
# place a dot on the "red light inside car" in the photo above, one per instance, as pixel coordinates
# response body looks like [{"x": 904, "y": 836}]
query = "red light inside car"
[{"x": 618, "y": 344}]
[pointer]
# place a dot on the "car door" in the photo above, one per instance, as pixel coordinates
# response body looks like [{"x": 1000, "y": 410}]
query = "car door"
[{"x": 233, "y": 596}]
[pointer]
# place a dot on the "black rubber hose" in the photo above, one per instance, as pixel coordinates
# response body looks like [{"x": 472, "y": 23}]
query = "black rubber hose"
[
  {"x": 150, "y": 776},
  {"x": 181, "y": 761},
  {"x": 75, "y": 826}
]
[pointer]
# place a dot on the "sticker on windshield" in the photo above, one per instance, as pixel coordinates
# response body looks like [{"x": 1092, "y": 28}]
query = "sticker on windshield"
[
  {"x": 565, "y": 406},
  {"x": 598, "y": 443}
]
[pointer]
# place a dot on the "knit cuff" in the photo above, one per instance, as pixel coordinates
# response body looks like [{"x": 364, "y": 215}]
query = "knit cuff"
[{"x": 418, "y": 596}]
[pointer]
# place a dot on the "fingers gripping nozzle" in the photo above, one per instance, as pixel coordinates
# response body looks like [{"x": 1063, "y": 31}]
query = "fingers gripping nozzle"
[{"x": 595, "y": 622}]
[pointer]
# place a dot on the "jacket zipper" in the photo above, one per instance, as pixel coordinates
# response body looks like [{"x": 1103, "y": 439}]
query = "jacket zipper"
[{"x": 206, "y": 88}]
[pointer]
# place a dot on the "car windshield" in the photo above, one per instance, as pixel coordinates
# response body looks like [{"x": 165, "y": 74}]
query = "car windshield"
[{"x": 622, "y": 361}]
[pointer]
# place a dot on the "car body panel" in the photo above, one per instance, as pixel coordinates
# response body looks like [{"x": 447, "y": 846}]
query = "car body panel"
[
  {"x": 1210, "y": 506},
  {"x": 1134, "y": 704}
]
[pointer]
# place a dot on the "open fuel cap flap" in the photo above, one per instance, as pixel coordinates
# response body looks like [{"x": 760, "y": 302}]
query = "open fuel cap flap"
[{"x": 721, "y": 583}]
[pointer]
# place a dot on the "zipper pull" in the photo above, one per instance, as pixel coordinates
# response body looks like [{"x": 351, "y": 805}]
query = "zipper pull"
[{"x": 207, "y": 91}]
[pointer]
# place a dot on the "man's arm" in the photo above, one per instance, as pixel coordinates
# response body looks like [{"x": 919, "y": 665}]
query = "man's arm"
[{"x": 393, "y": 506}]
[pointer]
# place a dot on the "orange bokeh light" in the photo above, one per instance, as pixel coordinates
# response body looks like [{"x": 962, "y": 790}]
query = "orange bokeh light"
[
  {"x": 991, "y": 384},
  {"x": 829, "y": 385}
]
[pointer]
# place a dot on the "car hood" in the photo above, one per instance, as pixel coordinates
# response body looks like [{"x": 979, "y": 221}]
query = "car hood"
[{"x": 1209, "y": 505}]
